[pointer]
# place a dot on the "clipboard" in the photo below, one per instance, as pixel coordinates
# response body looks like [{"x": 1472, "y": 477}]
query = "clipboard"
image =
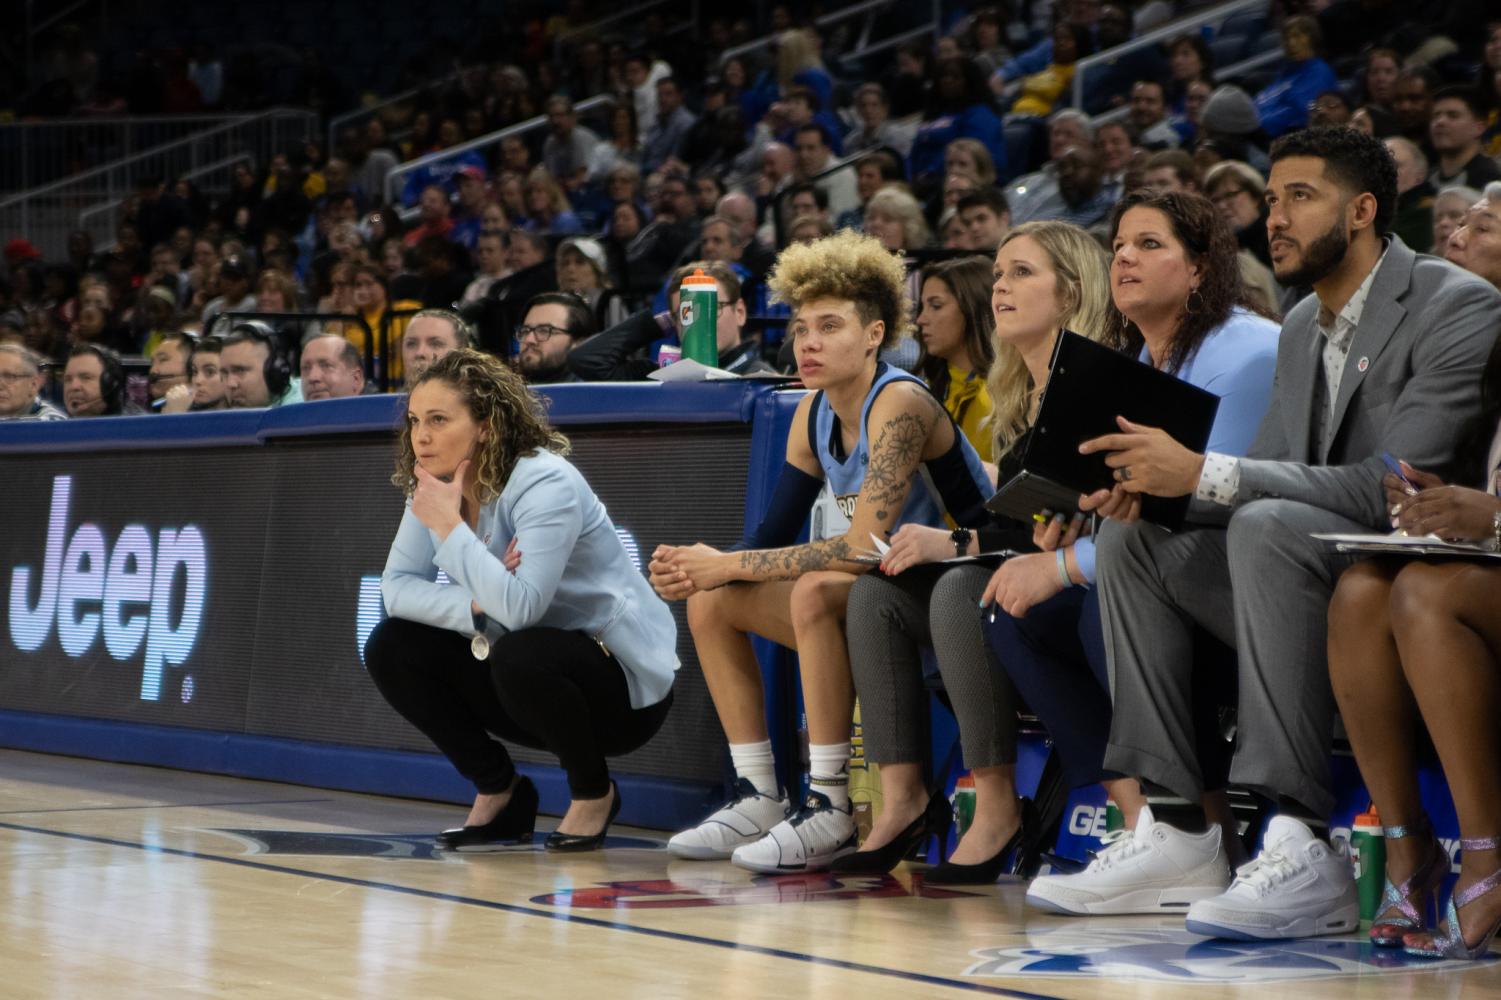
[{"x": 1089, "y": 385}]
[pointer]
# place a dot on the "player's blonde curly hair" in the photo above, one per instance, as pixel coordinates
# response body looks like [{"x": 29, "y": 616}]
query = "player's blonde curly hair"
[
  {"x": 847, "y": 266},
  {"x": 497, "y": 399}
]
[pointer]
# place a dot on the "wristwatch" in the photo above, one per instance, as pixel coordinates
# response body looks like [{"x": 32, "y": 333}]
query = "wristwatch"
[
  {"x": 1496, "y": 530},
  {"x": 961, "y": 539}
]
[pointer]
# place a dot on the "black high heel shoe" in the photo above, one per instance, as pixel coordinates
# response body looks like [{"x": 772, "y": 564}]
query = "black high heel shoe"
[
  {"x": 935, "y": 821},
  {"x": 987, "y": 871},
  {"x": 575, "y": 842},
  {"x": 514, "y": 823}
]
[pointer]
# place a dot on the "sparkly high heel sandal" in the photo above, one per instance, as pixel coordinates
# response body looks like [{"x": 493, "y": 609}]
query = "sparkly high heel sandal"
[
  {"x": 1452, "y": 943},
  {"x": 1412, "y": 900}
]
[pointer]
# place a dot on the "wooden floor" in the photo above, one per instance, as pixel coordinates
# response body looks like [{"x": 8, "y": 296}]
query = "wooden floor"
[{"x": 120, "y": 881}]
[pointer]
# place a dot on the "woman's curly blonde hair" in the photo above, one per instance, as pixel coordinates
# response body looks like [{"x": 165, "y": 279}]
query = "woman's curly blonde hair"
[
  {"x": 497, "y": 399},
  {"x": 848, "y": 266}
]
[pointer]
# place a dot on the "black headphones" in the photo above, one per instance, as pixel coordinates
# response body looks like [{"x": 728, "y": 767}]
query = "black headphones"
[
  {"x": 278, "y": 368},
  {"x": 111, "y": 376}
]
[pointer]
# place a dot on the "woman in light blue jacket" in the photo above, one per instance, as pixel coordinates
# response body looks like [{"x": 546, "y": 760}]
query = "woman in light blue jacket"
[{"x": 514, "y": 608}]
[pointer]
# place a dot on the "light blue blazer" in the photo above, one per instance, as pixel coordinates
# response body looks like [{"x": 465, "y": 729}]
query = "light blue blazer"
[
  {"x": 575, "y": 574},
  {"x": 1237, "y": 361}
]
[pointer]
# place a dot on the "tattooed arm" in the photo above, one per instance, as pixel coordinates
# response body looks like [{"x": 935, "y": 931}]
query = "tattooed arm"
[
  {"x": 905, "y": 426},
  {"x": 676, "y": 571}
]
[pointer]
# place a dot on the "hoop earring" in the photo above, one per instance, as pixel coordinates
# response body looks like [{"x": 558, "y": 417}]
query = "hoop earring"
[{"x": 1188, "y": 306}]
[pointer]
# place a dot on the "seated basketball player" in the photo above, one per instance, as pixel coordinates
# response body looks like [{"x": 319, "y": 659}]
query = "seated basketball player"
[
  {"x": 857, "y": 448},
  {"x": 545, "y": 634}
]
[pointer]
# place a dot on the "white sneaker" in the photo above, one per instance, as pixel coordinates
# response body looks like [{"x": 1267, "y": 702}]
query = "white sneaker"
[
  {"x": 807, "y": 842},
  {"x": 1298, "y": 886},
  {"x": 744, "y": 820},
  {"x": 1156, "y": 869}
]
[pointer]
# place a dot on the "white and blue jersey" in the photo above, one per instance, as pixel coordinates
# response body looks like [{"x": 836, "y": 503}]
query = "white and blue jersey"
[{"x": 954, "y": 483}]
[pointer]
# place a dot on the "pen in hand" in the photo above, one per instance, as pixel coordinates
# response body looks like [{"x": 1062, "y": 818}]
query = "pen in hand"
[{"x": 1395, "y": 467}]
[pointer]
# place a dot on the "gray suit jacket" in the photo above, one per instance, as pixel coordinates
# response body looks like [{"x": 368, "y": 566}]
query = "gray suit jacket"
[{"x": 1424, "y": 337}]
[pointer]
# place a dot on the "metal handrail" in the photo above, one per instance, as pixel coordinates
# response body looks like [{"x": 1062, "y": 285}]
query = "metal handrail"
[
  {"x": 191, "y": 175},
  {"x": 778, "y": 224},
  {"x": 40, "y": 148},
  {"x": 483, "y": 142},
  {"x": 1246, "y": 65},
  {"x": 95, "y": 121},
  {"x": 1224, "y": 73},
  {"x": 854, "y": 10},
  {"x": 893, "y": 41},
  {"x": 593, "y": 26},
  {"x": 339, "y": 121},
  {"x": 1113, "y": 115},
  {"x": 54, "y": 17},
  {"x": 108, "y": 168},
  {"x": 1164, "y": 33}
]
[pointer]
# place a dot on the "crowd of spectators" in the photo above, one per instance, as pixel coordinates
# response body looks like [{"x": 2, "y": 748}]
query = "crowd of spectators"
[{"x": 700, "y": 159}]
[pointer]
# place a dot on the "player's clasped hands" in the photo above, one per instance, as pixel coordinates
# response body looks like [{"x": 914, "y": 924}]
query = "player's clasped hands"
[{"x": 678, "y": 571}]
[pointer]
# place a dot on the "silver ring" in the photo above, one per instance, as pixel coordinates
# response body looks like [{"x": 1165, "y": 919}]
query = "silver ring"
[{"x": 1125, "y": 473}]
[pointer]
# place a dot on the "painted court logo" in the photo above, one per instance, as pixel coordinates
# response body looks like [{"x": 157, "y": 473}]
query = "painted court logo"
[
  {"x": 1176, "y": 956},
  {"x": 396, "y": 846},
  {"x": 676, "y": 893},
  {"x": 127, "y": 592}
]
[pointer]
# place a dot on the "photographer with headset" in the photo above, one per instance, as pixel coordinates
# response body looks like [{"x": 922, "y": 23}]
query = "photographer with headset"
[
  {"x": 94, "y": 383},
  {"x": 257, "y": 370}
]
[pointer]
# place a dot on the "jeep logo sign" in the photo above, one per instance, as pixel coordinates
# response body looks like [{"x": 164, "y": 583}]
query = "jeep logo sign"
[{"x": 127, "y": 593}]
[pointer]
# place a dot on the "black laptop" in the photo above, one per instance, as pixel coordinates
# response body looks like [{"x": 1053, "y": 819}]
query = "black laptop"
[{"x": 1089, "y": 386}]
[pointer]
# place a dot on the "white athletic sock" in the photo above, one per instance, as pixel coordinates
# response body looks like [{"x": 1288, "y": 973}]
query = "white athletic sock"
[
  {"x": 828, "y": 772},
  {"x": 754, "y": 762}
]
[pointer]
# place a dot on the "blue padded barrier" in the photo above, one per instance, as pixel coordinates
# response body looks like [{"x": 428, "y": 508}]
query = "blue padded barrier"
[
  {"x": 645, "y": 800},
  {"x": 176, "y": 430},
  {"x": 293, "y": 516}
]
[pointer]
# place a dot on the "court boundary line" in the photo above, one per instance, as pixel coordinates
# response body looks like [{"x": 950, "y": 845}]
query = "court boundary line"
[
  {"x": 163, "y": 805},
  {"x": 765, "y": 950}
]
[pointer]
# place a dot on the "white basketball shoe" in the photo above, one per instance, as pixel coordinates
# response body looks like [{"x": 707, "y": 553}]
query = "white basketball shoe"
[
  {"x": 744, "y": 820},
  {"x": 1154, "y": 869},
  {"x": 1298, "y": 886},
  {"x": 806, "y": 842}
]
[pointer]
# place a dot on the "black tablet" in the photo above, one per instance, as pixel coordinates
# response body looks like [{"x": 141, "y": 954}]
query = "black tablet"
[{"x": 1089, "y": 385}]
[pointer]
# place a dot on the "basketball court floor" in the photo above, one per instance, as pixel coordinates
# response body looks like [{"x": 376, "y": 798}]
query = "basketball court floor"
[{"x": 120, "y": 882}]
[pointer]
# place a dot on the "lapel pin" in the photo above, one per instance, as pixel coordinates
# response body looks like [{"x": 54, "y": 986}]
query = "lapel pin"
[{"x": 1363, "y": 364}]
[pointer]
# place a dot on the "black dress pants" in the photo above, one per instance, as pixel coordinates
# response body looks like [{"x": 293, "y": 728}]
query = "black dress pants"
[{"x": 544, "y": 688}]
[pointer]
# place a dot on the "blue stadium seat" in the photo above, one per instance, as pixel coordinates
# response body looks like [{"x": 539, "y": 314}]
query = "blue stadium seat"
[
  {"x": 1228, "y": 50},
  {"x": 1244, "y": 24},
  {"x": 1026, "y": 140},
  {"x": 1268, "y": 41}
]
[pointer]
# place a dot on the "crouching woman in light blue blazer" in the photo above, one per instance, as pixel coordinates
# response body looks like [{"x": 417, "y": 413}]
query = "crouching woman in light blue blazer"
[{"x": 544, "y": 632}]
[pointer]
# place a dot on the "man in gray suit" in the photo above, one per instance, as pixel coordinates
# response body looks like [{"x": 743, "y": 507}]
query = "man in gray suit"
[{"x": 1386, "y": 355}]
